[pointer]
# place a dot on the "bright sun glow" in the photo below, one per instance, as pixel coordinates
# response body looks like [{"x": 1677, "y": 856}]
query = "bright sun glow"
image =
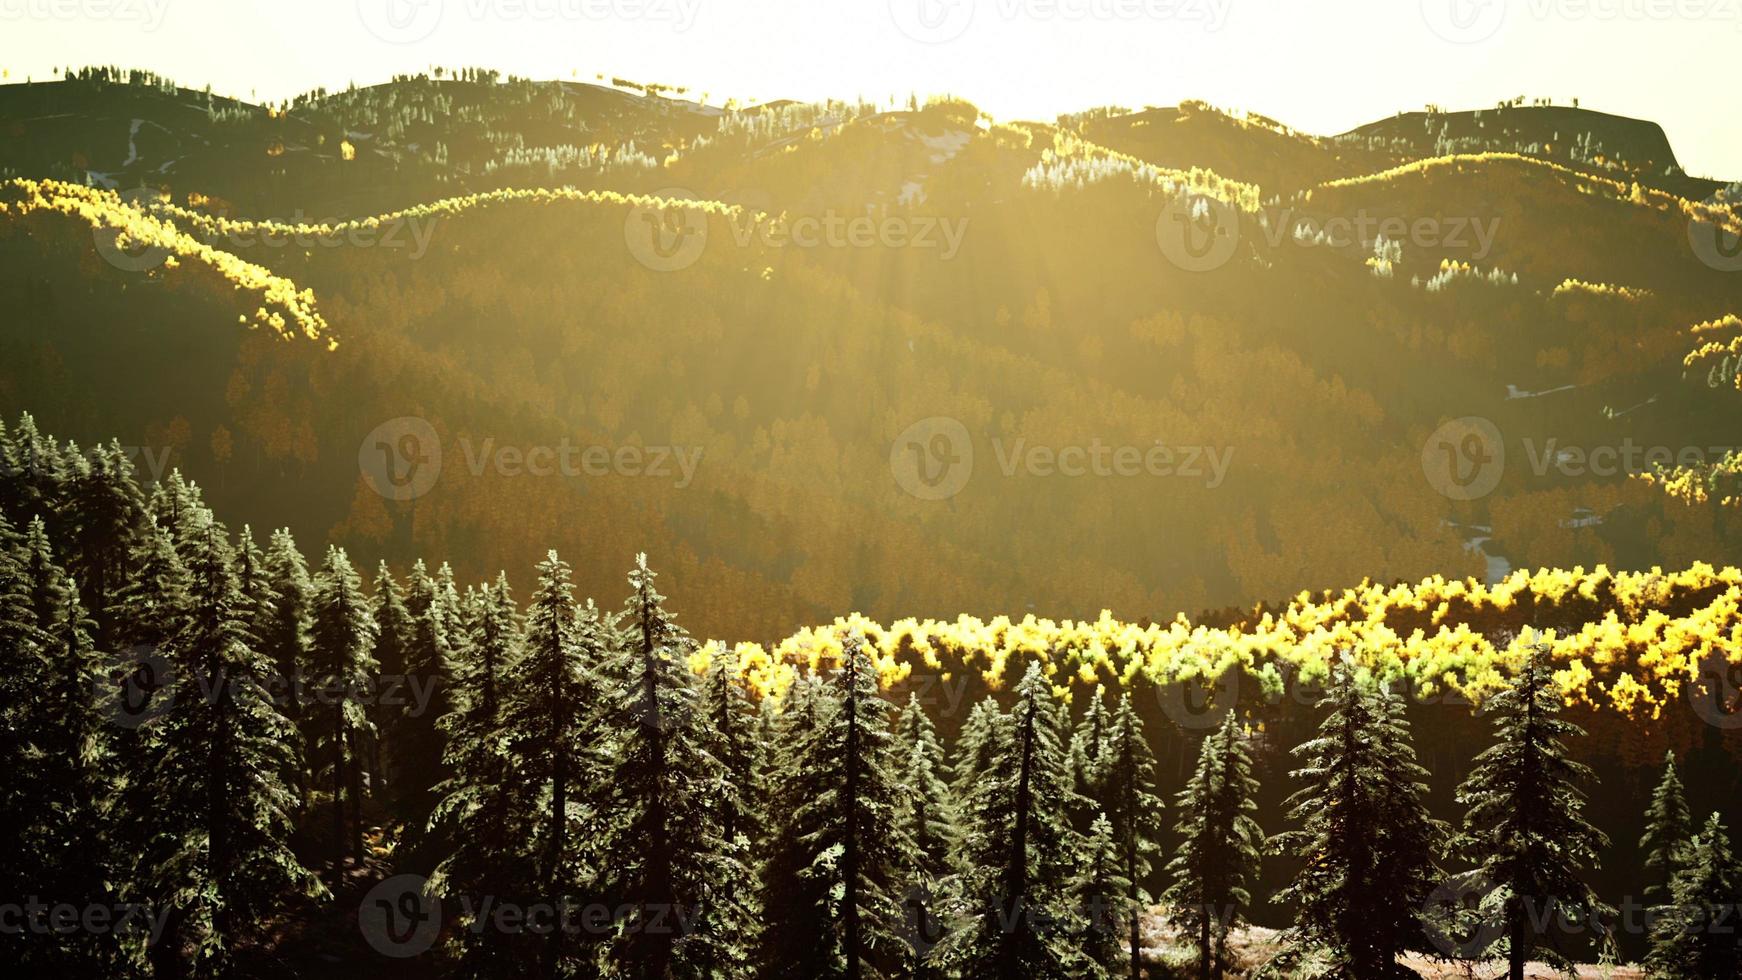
[{"x": 1322, "y": 68}]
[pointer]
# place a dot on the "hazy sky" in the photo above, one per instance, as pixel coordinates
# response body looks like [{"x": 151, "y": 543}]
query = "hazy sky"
[{"x": 1322, "y": 66}]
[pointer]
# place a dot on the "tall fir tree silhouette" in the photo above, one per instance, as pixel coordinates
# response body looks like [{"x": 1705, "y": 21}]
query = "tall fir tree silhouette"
[
  {"x": 1215, "y": 867},
  {"x": 1525, "y": 826}
]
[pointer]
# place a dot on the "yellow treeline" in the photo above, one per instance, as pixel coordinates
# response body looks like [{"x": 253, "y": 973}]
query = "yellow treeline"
[
  {"x": 283, "y": 308},
  {"x": 1643, "y": 638}
]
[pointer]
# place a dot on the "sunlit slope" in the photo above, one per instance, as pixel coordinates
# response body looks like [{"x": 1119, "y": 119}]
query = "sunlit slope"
[{"x": 1293, "y": 387}]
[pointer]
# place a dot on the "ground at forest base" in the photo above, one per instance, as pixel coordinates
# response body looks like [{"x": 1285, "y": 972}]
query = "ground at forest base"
[{"x": 1253, "y": 945}]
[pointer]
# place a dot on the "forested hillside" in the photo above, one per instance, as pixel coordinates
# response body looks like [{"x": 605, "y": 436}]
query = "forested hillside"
[
  {"x": 295, "y": 765},
  {"x": 1015, "y": 287},
  {"x": 1124, "y": 544}
]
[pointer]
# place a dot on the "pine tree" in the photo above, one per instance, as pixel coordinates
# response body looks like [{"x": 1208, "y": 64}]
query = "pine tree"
[
  {"x": 1696, "y": 937},
  {"x": 393, "y": 638},
  {"x": 1100, "y": 893},
  {"x": 926, "y": 815},
  {"x": 1088, "y": 751},
  {"x": 855, "y": 857},
  {"x": 664, "y": 858},
  {"x": 731, "y": 733},
  {"x": 104, "y": 509},
  {"x": 480, "y": 800},
  {"x": 69, "y": 742},
  {"x": 217, "y": 854},
  {"x": 152, "y": 603},
  {"x": 417, "y": 744},
  {"x": 1364, "y": 842},
  {"x": 36, "y": 474},
  {"x": 1669, "y": 827},
  {"x": 1021, "y": 851},
  {"x": 1216, "y": 864},
  {"x": 548, "y": 734},
  {"x": 24, "y": 666},
  {"x": 1525, "y": 825},
  {"x": 343, "y": 674},
  {"x": 283, "y": 633},
  {"x": 1412, "y": 839},
  {"x": 984, "y": 737},
  {"x": 1133, "y": 812},
  {"x": 731, "y": 737},
  {"x": 787, "y": 909}
]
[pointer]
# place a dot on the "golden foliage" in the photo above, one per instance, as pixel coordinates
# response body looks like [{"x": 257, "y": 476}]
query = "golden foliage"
[{"x": 1642, "y": 637}]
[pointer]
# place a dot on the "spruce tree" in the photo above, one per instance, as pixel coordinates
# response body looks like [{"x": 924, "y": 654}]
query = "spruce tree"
[
  {"x": 731, "y": 736},
  {"x": 104, "y": 510},
  {"x": 1216, "y": 864},
  {"x": 37, "y": 474},
  {"x": 984, "y": 737},
  {"x": 393, "y": 637},
  {"x": 513, "y": 798},
  {"x": 926, "y": 815},
  {"x": 24, "y": 665},
  {"x": 1021, "y": 852},
  {"x": 343, "y": 677},
  {"x": 1525, "y": 826},
  {"x": 217, "y": 855},
  {"x": 1696, "y": 936},
  {"x": 284, "y": 635},
  {"x": 68, "y": 747},
  {"x": 1413, "y": 839},
  {"x": 416, "y": 743},
  {"x": 731, "y": 730},
  {"x": 1669, "y": 828},
  {"x": 662, "y": 856},
  {"x": 1100, "y": 893},
  {"x": 1365, "y": 838},
  {"x": 1133, "y": 812},
  {"x": 1088, "y": 751},
  {"x": 855, "y": 857},
  {"x": 788, "y": 910}
]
